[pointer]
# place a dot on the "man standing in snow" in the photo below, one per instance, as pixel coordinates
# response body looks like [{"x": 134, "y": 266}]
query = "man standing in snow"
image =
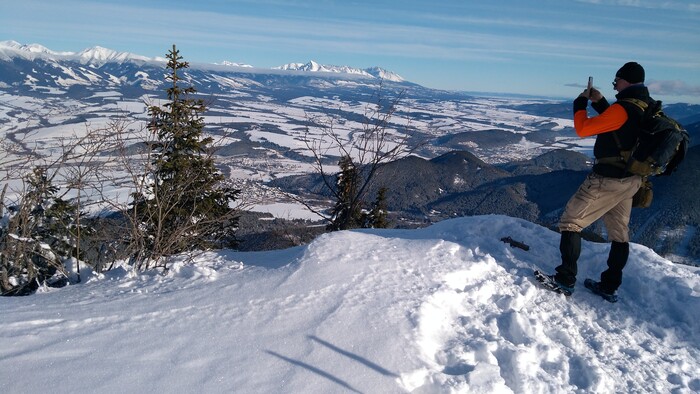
[{"x": 608, "y": 190}]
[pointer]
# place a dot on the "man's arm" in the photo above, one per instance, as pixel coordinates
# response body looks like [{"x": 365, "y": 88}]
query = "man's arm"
[{"x": 611, "y": 117}]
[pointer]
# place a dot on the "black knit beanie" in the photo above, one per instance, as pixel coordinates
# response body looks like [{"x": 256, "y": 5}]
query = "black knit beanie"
[{"x": 631, "y": 72}]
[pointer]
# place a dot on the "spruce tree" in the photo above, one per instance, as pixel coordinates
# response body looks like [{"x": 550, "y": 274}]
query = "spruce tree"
[
  {"x": 36, "y": 237},
  {"x": 377, "y": 216},
  {"x": 187, "y": 205},
  {"x": 347, "y": 212}
]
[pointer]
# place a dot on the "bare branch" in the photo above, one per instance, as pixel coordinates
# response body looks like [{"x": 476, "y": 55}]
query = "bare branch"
[{"x": 368, "y": 148}]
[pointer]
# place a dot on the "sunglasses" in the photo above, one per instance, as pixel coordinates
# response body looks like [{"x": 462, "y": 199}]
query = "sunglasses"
[{"x": 615, "y": 81}]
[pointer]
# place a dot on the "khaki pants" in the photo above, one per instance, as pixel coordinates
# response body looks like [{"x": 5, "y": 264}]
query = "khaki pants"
[{"x": 599, "y": 196}]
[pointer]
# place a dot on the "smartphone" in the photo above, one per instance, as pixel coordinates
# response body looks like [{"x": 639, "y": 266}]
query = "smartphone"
[{"x": 590, "y": 83}]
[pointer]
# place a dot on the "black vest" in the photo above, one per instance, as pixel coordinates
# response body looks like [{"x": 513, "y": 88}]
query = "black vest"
[{"x": 606, "y": 144}]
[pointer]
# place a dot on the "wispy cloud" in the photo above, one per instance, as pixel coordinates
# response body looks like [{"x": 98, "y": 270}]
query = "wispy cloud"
[
  {"x": 674, "y": 88},
  {"x": 691, "y": 6},
  {"x": 661, "y": 88}
]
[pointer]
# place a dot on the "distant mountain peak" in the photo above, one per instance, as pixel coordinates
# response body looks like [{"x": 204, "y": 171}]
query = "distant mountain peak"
[
  {"x": 97, "y": 52},
  {"x": 36, "y": 48},
  {"x": 234, "y": 64},
  {"x": 10, "y": 49},
  {"x": 384, "y": 74},
  {"x": 313, "y": 66},
  {"x": 98, "y": 55},
  {"x": 316, "y": 67}
]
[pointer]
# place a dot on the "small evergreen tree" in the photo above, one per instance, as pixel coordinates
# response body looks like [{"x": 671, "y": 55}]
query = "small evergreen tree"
[
  {"x": 377, "y": 216},
  {"x": 347, "y": 212},
  {"x": 36, "y": 237},
  {"x": 186, "y": 205}
]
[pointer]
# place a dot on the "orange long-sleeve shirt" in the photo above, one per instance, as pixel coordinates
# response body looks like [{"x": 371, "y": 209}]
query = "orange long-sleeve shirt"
[{"x": 610, "y": 120}]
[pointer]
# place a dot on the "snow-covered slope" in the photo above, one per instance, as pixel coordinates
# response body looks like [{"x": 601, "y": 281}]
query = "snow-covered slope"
[{"x": 449, "y": 308}]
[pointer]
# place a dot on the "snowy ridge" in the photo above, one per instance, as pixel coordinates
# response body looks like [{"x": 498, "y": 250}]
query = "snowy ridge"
[
  {"x": 99, "y": 56},
  {"x": 95, "y": 55},
  {"x": 32, "y": 48},
  {"x": 445, "y": 309},
  {"x": 315, "y": 67},
  {"x": 11, "y": 49},
  {"x": 233, "y": 64},
  {"x": 312, "y": 66},
  {"x": 384, "y": 74}
]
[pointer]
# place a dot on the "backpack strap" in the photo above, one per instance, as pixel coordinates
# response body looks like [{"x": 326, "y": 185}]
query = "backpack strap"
[
  {"x": 643, "y": 105},
  {"x": 649, "y": 110}
]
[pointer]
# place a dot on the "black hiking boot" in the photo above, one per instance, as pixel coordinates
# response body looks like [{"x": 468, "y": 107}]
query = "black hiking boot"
[
  {"x": 595, "y": 288},
  {"x": 549, "y": 283}
]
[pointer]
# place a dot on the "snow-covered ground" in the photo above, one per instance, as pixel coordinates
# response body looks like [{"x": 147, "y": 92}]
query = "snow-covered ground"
[{"x": 449, "y": 308}]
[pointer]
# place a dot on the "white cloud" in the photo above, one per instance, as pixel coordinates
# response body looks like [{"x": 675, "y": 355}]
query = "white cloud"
[{"x": 676, "y": 88}]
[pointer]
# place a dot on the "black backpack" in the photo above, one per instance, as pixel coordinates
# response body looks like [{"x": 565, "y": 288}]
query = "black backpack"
[{"x": 662, "y": 142}]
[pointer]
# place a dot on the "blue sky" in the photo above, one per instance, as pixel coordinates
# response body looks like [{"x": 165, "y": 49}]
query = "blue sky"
[{"x": 529, "y": 47}]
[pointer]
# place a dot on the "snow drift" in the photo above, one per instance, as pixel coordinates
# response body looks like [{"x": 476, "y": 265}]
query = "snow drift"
[{"x": 449, "y": 308}]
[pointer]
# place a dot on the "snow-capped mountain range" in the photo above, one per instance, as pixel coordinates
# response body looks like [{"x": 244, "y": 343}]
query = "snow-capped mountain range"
[{"x": 98, "y": 56}]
